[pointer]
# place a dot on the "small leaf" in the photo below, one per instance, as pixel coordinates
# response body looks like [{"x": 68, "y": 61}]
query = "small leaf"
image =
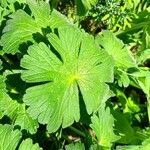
[
  {"x": 103, "y": 127},
  {"x": 144, "y": 55},
  {"x": 28, "y": 145},
  {"x": 122, "y": 56},
  {"x": 25, "y": 121},
  {"x": 124, "y": 128}
]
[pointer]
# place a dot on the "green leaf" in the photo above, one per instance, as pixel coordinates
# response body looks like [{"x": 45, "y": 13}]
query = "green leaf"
[
  {"x": 124, "y": 128},
  {"x": 21, "y": 26},
  {"x": 59, "y": 20},
  {"x": 82, "y": 66},
  {"x": 122, "y": 78},
  {"x": 54, "y": 3},
  {"x": 144, "y": 81},
  {"x": 28, "y": 145},
  {"x": 115, "y": 47},
  {"x": 130, "y": 147},
  {"x": 144, "y": 55},
  {"x": 9, "y": 138},
  {"x": 89, "y": 3},
  {"x": 98, "y": 147},
  {"x": 84, "y": 5},
  {"x": 103, "y": 127},
  {"x": 25, "y": 121},
  {"x": 41, "y": 12},
  {"x": 15, "y": 111},
  {"x": 75, "y": 146},
  {"x": 145, "y": 146}
]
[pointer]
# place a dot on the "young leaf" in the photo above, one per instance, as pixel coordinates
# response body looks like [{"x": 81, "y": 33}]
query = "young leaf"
[
  {"x": 103, "y": 127},
  {"x": 122, "y": 56},
  {"x": 80, "y": 64},
  {"x": 28, "y": 145}
]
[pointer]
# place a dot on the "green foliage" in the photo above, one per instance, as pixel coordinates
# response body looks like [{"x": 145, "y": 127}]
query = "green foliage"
[
  {"x": 75, "y": 146},
  {"x": 73, "y": 74},
  {"x": 28, "y": 144},
  {"x": 10, "y": 139},
  {"x": 145, "y": 146},
  {"x": 63, "y": 88},
  {"x": 122, "y": 56},
  {"x": 21, "y": 27},
  {"x": 103, "y": 127},
  {"x": 84, "y": 5}
]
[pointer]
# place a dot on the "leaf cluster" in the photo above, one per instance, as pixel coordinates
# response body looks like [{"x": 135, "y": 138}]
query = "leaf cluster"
[{"x": 64, "y": 88}]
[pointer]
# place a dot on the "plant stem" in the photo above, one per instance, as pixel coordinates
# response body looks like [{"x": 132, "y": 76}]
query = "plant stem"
[{"x": 77, "y": 131}]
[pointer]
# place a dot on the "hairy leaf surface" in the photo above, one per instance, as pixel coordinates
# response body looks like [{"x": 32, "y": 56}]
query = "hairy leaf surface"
[{"x": 80, "y": 64}]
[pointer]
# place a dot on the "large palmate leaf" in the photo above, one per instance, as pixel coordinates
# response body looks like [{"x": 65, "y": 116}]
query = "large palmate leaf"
[
  {"x": 115, "y": 47},
  {"x": 103, "y": 127},
  {"x": 10, "y": 139},
  {"x": 79, "y": 66},
  {"x": 21, "y": 26},
  {"x": 15, "y": 111}
]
